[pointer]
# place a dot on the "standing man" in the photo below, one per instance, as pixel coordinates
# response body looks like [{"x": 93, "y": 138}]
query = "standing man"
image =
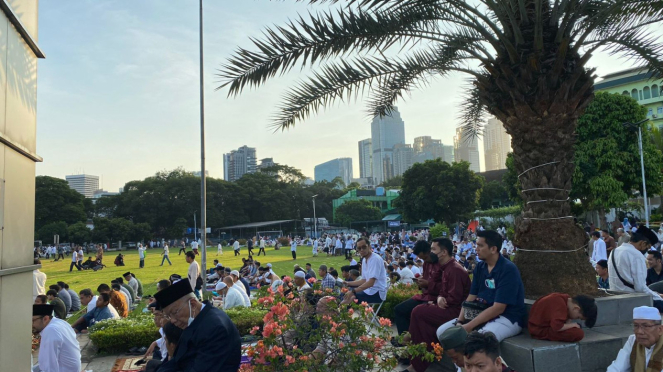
[
  {"x": 349, "y": 244},
  {"x": 599, "y": 252},
  {"x": 236, "y": 247},
  {"x": 261, "y": 246},
  {"x": 38, "y": 281},
  {"x": 627, "y": 266},
  {"x": 339, "y": 245},
  {"x": 141, "y": 255},
  {"x": 59, "y": 350},
  {"x": 219, "y": 249},
  {"x": 165, "y": 255},
  {"x": 328, "y": 245},
  {"x": 210, "y": 341},
  {"x": 74, "y": 261},
  {"x": 293, "y": 248},
  {"x": 249, "y": 246},
  {"x": 372, "y": 288},
  {"x": 183, "y": 249},
  {"x": 194, "y": 273},
  {"x": 622, "y": 237},
  {"x": 315, "y": 247},
  {"x": 642, "y": 351},
  {"x": 496, "y": 281},
  {"x": 610, "y": 242}
]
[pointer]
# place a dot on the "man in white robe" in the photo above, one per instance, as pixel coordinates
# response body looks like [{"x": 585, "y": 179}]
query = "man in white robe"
[
  {"x": 644, "y": 348},
  {"x": 627, "y": 267},
  {"x": 59, "y": 350}
]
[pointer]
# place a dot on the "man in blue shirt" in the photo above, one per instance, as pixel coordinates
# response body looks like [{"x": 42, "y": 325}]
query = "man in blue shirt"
[
  {"x": 100, "y": 312},
  {"x": 496, "y": 286}
]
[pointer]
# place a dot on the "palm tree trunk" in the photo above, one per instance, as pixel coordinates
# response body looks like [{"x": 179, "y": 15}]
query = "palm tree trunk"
[{"x": 543, "y": 150}]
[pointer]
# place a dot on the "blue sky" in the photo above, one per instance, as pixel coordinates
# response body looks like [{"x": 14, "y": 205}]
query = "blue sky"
[{"x": 118, "y": 92}]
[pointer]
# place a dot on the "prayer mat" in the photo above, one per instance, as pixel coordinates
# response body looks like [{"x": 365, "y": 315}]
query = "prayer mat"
[{"x": 127, "y": 365}]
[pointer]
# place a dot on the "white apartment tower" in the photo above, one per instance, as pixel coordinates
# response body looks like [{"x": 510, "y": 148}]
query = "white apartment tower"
[
  {"x": 467, "y": 149},
  {"x": 365, "y": 158},
  {"x": 496, "y": 145},
  {"x": 386, "y": 132},
  {"x": 403, "y": 155},
  {"x": 239, "y": 162},
  {"x": 85, "y": 184}
]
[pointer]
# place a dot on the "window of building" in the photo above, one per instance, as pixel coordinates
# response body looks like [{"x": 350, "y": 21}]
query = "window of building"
[
  {"x": 659, "y": 110},
  {"x": 654, "y": 91},
  {"x": 634, "y": 95},
  {"x": 645, "y": 93},
  {"x": 650, "y": 112},
  {"x": 626, "y": 93}
]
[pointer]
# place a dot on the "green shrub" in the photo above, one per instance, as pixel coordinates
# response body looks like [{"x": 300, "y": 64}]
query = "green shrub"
[
  {"x": 120, "y": 335},
  {"x": 499, "y": 212},
  {"x": 395, "y": 296},
  {"x": 246, "y": 318},
  {"x": 439, "y": 230}
]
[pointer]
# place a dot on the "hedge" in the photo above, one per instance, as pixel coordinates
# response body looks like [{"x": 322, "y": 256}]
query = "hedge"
[
  {"x": 246, "y": 318},
  {"x": 499, "y": 212},
  {"x": 120, "y": 335},
  {"x": 395, "y": 296}
]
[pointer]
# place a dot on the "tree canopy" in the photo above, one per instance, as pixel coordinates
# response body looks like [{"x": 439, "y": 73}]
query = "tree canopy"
[
  {"x": 357, "y": 210},
  {"x": 439, "y": 190},
  {"x": 55, "y": 201}
]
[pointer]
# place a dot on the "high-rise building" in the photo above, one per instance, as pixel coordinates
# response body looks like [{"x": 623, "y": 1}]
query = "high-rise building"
[
  {"x": 341, "y": 167},
  {"x": 427, "y": 148},
  {"x": 85, "y": 184},
  {"x": 448, "y": 153},
  {"x": 467, "y": 149},
  {"x": 496, "y": 145},
  {"x": 239, "y": 162},
  {"x": 403, "y": 155},
  {"x": 266, "y": 163},
  {"x": 386, "y": 132},
  {"x": 365, "y": 158},
  {"x": 197, "y": 173}
]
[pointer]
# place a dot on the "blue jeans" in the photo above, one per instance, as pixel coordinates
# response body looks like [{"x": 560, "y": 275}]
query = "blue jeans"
[{"x": 165, "y": 257}]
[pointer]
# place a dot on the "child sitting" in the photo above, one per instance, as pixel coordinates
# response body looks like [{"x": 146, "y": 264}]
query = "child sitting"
[{"x": 552, "y": 315}]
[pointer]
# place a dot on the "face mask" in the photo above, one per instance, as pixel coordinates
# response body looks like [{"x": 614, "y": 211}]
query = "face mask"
[
  {"x": 434, "y": 258},
  {"x": 190, "y": 317}
]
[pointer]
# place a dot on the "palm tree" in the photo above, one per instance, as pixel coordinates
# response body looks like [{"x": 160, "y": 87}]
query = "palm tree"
[{"x": 526, "y": 60}]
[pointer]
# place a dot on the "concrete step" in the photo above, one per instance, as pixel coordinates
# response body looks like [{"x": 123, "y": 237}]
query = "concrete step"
[{"x": 594, "y": 353}]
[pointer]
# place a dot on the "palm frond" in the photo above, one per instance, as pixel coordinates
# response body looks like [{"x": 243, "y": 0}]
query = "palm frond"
[
  {"x": 637, "y": 45},
  {"x": 322, "y": 36},
  {"x": 472, "y": 114}
]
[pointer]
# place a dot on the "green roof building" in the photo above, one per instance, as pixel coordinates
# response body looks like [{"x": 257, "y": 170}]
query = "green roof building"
[
  {"x": 638, "y": 84},
  {"x": 379, "y": 198}
]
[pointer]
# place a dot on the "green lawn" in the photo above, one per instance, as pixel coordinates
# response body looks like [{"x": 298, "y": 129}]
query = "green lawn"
[{"x": 281, "y": 261}]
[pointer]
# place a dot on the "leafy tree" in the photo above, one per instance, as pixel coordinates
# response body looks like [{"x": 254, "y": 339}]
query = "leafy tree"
[
  {"x": 440, "y": 230},
  {"x": 352, "y": 186},
  {"x": 47, "y": 232},
  {"x": 55, "y": 202},
  {"x": 490, "y": 192},
  {"x": 357, "y": 210},
  {"x": 141, "y": 232},
  {"x": 177, "y": 230},
  {"x": 439, "y": 190},
  {"x": 79, "y": 233},
  {"x": 284, "y": 173},
  {"x": 112, "y": 229},
  {"x": 527, "y": 61},
  {"x": 607, "y": 155},
  {"x": 394, "y": 182},
  {"x": 510, "y": 180}
]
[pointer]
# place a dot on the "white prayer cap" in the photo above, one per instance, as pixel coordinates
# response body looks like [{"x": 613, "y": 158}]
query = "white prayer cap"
[
  {"x": 269, "y": 265},
  {"x": 221, "y": 286},
  {"x": 300, "y": 274},
  {"x": 646, "y": 313},
  {"x": 235, "y": 272}
]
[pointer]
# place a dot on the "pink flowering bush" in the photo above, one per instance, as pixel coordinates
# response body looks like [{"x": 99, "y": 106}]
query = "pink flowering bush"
[{"x": 311, "y": 331}]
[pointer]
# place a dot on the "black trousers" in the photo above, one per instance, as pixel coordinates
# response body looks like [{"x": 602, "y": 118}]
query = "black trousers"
[
  {"x": 237, "y": 253},
  {"x": 348, "y": 253},
  {"x": 142, "y": 263},
  {"x": 182, "y": 250},
  {"x": 403, "y": 312},
  {"x": 263, "y": 251},
  {"x": 74, "y": 264},
  {"x": 251, "y": 251},
  {"x": 294, "y": 255}
]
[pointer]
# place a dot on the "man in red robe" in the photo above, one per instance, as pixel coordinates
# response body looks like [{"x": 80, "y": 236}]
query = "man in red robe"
[{"x": 551, "y": 317}]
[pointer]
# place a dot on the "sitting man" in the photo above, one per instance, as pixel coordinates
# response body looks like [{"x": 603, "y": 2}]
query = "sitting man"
[
  {"x": 88, "y": 264},
  {"x": 426, "y": 318},
  {"x": 482, "y": 352},
  {"x": 89, "y": 300},
  {"x": 627, "y": 266},
  {"x": 551, "y": 317},
  {"x": 372, "y": 288},
  {"x": 210, "y": 341},
  {"x": 326, "y": 279},
  {"x": 119, "y": 260},
  {"x": 101, "y": 312},
  {"x": 497, "y": 293},
  {"x": 132, "y": 282},
  {"x": 231, "y": 295},
  {"x": 655, "y": 271},
  {"x": 116, "y": 299},
  {"x": 643, "y": 350},
  {"x": 602, "y": 272},
  {"x": 430, "y": 283},
  {"x": 300, "y": 281},
  {"x": 58, "y": 305}
]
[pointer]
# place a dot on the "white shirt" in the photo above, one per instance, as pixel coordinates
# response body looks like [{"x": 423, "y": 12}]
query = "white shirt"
[
  {"x": 236, "y": 245},
  {"x": 59, "y": 350},
  {"x": 38, "y": 284},
  {"x": 141, "y": 252},
  {"x": 339, "y": 244},
  {"x": 262, "y": 243},
  {"x": 406, "y": 275},
  {"x": 632, "y": 267},
  {"x": 623, "y": 361},
  {"x": 349, "y": 244},
  {"x": 194, "y": 273},
  {"x": 194, "y": 245},
  {"x": 373, "y": 268},
  {"x": 328, "y": 242},
  {"x": 415, "y": 270},
  {"x": 165, "y": 250},
  {"x": 220, "y": 247},
  {"x": 133, "y": 283},
  {"x": 303, "y": 288},
  {"x": 74, "y": 256},
  {"x": 599, "y": 252},
  {"x": 233, "y": 298},
  {"x": 293, "y": 246},
  {"x": 353, "y": 262},
  {"x": 315, "y": 246}
]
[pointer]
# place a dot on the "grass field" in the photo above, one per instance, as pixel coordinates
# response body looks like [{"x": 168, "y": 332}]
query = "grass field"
[{"x": 281, "y": 260}]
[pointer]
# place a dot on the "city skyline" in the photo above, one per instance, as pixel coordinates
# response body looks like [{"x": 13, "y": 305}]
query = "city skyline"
[{"x": 129, "y": 114}]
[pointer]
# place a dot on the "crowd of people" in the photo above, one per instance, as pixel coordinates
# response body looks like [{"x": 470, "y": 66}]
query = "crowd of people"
[{"x": 471, "y": 296}]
